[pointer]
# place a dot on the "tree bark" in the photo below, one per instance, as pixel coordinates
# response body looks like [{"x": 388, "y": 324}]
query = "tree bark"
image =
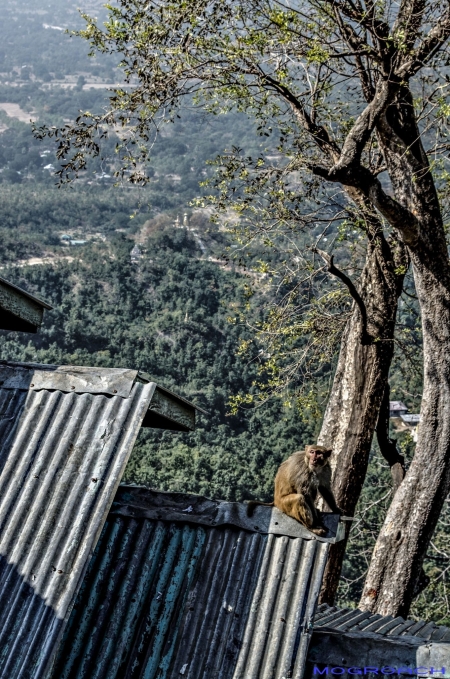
[
  {"x": 396, "y": 461},
  {"x": 393, "y": 578},
  {"x": 394, "y": 572},
  {"x": 358, "y": 387}
]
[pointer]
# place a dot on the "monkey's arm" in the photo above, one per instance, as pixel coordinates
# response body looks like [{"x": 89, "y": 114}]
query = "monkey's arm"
[
  {"x": 328, "y": 496},
  {"x": 309, "y": 502}
]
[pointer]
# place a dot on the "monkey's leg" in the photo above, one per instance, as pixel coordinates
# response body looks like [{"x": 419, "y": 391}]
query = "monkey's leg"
[
  {"x": 317, "y": 526},
  {"x": 294, "y": 505},
  {"x": 298, "y": 508}
]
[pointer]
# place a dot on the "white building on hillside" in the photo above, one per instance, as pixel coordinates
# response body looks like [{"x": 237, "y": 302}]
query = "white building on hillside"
[{"x": 397, "y": 409}]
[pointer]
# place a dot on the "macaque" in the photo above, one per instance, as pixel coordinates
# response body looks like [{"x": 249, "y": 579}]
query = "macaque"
[{"x": 296, "y": 484}]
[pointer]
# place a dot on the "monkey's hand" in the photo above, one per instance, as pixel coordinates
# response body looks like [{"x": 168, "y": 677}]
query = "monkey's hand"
[{"x": 319, "y": 531}]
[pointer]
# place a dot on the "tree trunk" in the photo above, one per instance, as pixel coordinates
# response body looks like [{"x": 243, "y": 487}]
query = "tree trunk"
[
  {"x": 393, "y": 578},
  {"x": 395, "y": 568},
  {"x": 396, "y": 462},
  {"x": 359, "y": 384}
]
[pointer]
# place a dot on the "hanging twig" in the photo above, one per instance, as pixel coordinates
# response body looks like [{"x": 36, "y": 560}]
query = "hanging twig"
[
  {"x": 388, "y": 447},
  {"x": 334, "y": 271}
]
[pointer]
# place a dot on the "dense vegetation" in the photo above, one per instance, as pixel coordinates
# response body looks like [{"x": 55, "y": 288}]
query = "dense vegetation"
[{"x": 167, "y": 316}]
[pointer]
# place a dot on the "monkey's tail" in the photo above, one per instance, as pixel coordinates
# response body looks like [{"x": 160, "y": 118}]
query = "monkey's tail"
[{"x": 253, "y": 503}]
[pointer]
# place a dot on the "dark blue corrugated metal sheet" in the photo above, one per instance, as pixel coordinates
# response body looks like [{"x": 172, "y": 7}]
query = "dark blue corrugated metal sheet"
[
  {"x": 354, "y": 641},
  {"x": 61, "y": 458},
  {"x": 360, "y": 622},
  {"x": 165, "y": 599}
]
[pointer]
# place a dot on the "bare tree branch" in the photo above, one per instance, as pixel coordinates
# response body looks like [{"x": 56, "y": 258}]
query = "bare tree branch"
[
  {"x": 360, "y": 177},
  {"x": 334, "y": 271},
  {"x": 388, "y": 447},
  {"x": 356, "y": 43},
  {"x": 408, "y": 22},
  {"x": 318, "y": 132},
  {"x": 438, "y": 35},
  {"x": 378, "y": 29}
]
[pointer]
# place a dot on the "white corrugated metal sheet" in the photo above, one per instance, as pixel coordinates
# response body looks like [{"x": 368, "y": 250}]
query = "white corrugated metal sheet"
[
  {"x": 63, "y": 450},
  {"x": 183, "y": 586}
]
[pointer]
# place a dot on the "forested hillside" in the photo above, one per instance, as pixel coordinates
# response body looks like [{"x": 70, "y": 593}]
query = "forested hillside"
[{"x": 166, "y": 315}]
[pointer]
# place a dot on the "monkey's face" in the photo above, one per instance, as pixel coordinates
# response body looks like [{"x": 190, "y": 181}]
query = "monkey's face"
[{"x": 317, "y": 456}]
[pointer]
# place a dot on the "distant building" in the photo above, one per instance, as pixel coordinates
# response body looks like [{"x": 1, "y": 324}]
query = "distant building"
[
  {"x": 69, "y": 240},
  {"x": 397, "y": 409},
  {"x": 19, "y": 310},
  {"x": 135, "y": 254},
  {"x": 411, "y": 419}
]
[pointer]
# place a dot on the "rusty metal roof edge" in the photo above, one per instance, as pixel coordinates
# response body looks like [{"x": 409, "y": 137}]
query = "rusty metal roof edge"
[
  {"x": 140, "y": 502},
  {"x": 67, "y": 379},
  {"x": 52, "y": 367},
  {"x": 139, "y": 375},
  {"x": 25, "y": 293},
  {"x": 145, "y": 376},
  {"x": 29, "y": 366}
]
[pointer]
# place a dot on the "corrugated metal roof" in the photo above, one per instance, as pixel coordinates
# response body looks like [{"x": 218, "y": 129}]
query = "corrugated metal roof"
[
  {"x": 346, "y": 638},
  {"x": 185, "y": 586},
  {"x": 354, "y": 620},
  {"x": 141, "y": 502},
  {"x": 24, "y": 293},
  {"x": 167, "y": 410},
  {"x": 65, "y": 437}
]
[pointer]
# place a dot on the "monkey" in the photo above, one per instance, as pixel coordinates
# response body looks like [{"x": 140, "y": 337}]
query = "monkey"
[{"x": 296, "y": 484}]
